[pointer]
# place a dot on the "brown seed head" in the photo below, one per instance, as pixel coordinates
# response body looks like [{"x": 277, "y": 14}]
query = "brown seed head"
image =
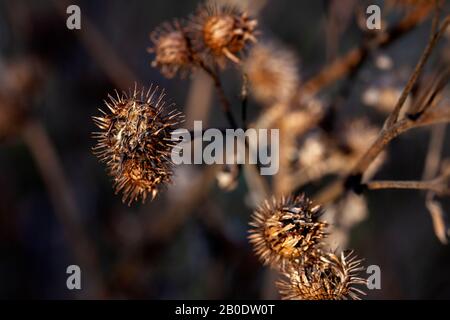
[
  {"x": 273, "y": 73},
  {"x": 330, "y": 277},
  {"x": 221, "y": 32},
  {"x": 171, "y": 49},
  {"x": 135, "y": 142},
  {"x": 286, "y": 229}
]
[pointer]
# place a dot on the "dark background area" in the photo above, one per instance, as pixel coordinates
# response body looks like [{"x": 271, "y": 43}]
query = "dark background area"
[{"x": 198, "y": 260}]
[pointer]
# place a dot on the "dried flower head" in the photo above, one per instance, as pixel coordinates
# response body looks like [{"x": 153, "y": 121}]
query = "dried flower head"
[
  {"x": 219, "y": 31},
  {"x": 135, "y": 142},
  {"x": 171, "y": 48},
  {"x": 273, "y": 73},
  {"x": 330, "y": 277},
  {"x": 286, "y": 229}
]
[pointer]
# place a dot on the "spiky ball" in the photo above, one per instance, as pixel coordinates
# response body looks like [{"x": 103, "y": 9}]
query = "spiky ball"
[
  {"x": 330, "y": 277},
  {"x": 221, "y": 32},
  {"x": 286, "y": 229},
  {"x": 172, "y": 49},
  {"x": 135, "y": 142}
]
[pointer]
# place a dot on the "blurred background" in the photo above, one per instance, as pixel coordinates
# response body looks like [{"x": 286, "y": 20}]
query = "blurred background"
[{"x": 57, "y": 204}]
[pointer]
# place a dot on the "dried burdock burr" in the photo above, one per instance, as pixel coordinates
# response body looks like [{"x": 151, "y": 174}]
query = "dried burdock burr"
[
  {"x": 286, "y": 229},
  {"x": 220, "y": 32},
  {"x": 171, "y": 48},
  {"x": 135, "y": 142},
  {"x": 272, "y": 72},
  {"x": 330, "y": 277}
]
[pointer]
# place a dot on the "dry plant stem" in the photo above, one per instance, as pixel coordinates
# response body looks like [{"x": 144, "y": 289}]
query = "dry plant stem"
[
  {"x": 198, "y": 104},
  {"x": 356, "y": 56},
  {"x": 393, "y": 127},
  {"x": 66, "y": 209},
  {"x": 163, "y": 228},
  {"x": 436, "y": 185},
  {"x": 225, "y": 103},
  {"x": 432, "y": 164},
  {"x": 101, "y": 51},
  {"x": 244, "y": 99},
  {"x": 434, "y": 153},
  {"x": 388, "y": 134},
  {"x": 435, "y": 36},
  {"x": 334, "y": 190}
]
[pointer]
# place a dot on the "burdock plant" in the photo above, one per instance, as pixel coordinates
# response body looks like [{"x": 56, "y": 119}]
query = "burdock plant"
[
  {"x": 286, "y": 229},
  {"x": 135, "y": 142}
]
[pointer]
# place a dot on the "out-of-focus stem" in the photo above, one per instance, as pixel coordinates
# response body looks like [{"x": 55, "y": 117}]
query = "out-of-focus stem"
[
  {"x": 66, "y": 208},
  {"x": 434, "y": 151},
  {"x": 356, "y": 56},
  {"x": 224, "y": 102},
  {"x": 101, "y": 51}
]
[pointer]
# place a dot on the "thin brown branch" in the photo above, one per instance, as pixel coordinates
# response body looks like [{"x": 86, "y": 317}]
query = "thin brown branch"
[
  {"x": 434, "y": 153},
  {"x": 434, "y": 116},
  {"x": 224, "y": 102},
  {"x": 66, "y": 208},
  {"x": 101, "y": 51},
  {"x": 435, "y": 185},
  {"x": 163, "y": 228},
  {"x": 356, "y": 56},
  {"x": 434, "y": 38}
]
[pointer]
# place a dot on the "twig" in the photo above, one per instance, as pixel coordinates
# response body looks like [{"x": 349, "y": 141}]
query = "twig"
[
  {"x": 435, "y": 147},
  {"x": 163, "y": 228},
  {"x": 101, "y": 51},
  {"x": 244, "y": 99},
  {"x": 66, "y": 208},
  {"x": 393, "y": 127},
  {"x": 356, "y": 56},
  {"x": 225, "y": 103},
  {"x": 434, "y": 38},
  {"x": 435, "y": 185},
  {"x": 432, "y": 164}
]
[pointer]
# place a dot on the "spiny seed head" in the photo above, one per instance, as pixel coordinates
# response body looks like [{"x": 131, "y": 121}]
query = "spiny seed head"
[
  {"x": 286, "y": 229},
  {"x": 135, "y": 142},
  {"x": 172, "y": 49},
  {"x": 330, "y": 277},
  {"x": 220, "y": 32},
  {"x": 272, "y": 72}
]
